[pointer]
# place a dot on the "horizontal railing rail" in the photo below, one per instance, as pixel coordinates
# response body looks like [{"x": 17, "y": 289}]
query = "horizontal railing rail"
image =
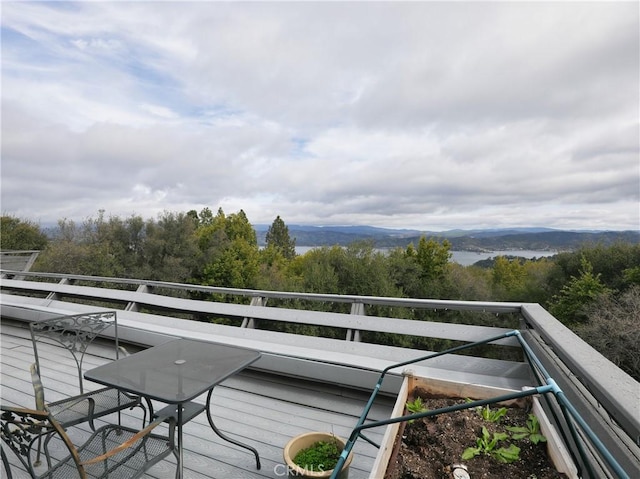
[
  {"x": 353, "y": 322},
  {"x": 478, "y": 306}
]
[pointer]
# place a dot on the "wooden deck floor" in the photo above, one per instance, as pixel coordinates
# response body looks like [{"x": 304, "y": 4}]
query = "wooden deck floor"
[{"x": 262, "y": 410}]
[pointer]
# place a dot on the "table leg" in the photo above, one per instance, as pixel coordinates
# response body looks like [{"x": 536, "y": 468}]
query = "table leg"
[
  {"x": 227, "y": 438},
  {"x": 180, "y": 471}
]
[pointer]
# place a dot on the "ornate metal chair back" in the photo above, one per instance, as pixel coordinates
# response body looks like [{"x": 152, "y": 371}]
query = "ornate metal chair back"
[{"x": 74, "y": 333}]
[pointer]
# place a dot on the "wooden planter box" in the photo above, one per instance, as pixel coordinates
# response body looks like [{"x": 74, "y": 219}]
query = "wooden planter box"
[{"x": 556, "y": 449}]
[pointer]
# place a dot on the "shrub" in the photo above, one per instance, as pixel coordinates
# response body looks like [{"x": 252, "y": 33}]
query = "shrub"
[{"x": 613, "y": 328}]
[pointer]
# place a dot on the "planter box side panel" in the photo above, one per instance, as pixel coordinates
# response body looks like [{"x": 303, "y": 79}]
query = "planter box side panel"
[
  {"x": 386, "y": 447},
  {"x": 555, "y": 445},
  {"x": 442, "y": 388}
]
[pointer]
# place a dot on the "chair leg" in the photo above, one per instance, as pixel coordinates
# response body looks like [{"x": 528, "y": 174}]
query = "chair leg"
[
  {"x": 46, "y": 449},
  {"x": 92, "y": 409},
  {"x": 150, "y": 406},
  {"x": 5, "y": 463},
  {"x": 37, "y": 462},
  {"x": 41, "y": 447},
  {"x": 144, "y": 411}
]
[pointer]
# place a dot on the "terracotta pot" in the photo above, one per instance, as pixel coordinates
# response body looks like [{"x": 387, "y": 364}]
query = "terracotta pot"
[{"x": 304, "y": 441}]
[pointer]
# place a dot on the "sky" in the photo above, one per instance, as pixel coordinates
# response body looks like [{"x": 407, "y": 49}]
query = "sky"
[{"x": 420, "y": 115}]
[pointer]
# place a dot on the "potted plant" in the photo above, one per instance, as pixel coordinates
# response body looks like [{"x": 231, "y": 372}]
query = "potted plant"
[{"x": 314, "y": 455}]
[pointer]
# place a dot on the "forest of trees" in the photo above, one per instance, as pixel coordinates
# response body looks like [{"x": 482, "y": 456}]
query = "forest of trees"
[{"x": 594, "y": 290}]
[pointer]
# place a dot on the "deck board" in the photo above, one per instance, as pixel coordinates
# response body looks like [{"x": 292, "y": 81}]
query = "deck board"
[{"x": 260, "y": 409}]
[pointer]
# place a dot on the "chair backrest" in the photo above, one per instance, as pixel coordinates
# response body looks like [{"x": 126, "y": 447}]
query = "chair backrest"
[
  {"x": 74, "y": 333},
  {"x": 21, "y": 428}
]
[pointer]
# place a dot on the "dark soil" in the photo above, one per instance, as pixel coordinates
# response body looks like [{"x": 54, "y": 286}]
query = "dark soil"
[{"x": 431, "y": 446}]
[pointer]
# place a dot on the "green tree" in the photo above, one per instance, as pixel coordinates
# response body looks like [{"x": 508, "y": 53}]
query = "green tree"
[
  {"x": 230, "y": 248},
  {"x": 21, "y": 234},
  {"x": 278, "y": 238},
  {"x": 536, "y": 287},
  {"x": 468, "y": 283},
  {"x": 237, "y": 266},
  {"x": 237, "y": 226},
  {"x": 615, "y": 265},
  {"x": 632, "y": 276},
  {"x": 363, "y": 270},
  {"x": 171, "y": 250},
  {"x": 433, "y": 258},
  {"x": 405, "y": 271},
  {"x": 421, "y": 272},
  {"x": 508, "y": 279},
  {"x": 276, "y": 257},
  {"x": 357, "y": 269},
  {"x": 117, "y": 244},
  {"x": 570, "y": 304},
  {"x": 211, "y": 231},
  {"x": 79, "y": 249},
  {"x": 611, "y": 262},
  {"x": 517, "y": 279},
  {"x": 316, "y": 271},
  {"x": 275, "y": 272},
  {"x": 128, "y": 238}
]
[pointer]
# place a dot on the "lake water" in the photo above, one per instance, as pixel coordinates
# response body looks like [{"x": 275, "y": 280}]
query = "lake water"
[{"x": 467, "y": 258}]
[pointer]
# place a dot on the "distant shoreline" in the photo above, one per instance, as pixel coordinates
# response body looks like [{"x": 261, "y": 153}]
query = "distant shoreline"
[
  {"x": 466, "y": 257},
  {"x": 488, "y": 241}
]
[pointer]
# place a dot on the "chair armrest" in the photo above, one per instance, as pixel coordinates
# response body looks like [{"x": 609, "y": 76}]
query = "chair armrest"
[
  {"x": 134, "y": 439},
  {"x": 24, "y": 410},
  {"x": 73, "y": 401}
]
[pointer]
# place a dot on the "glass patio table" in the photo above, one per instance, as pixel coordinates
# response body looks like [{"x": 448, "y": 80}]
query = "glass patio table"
[{"x": 175, "y": 373}]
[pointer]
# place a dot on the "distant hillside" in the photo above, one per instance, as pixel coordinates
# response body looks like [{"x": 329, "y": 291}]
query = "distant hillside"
[
  {"x": 341, "y": 235},
  {"x": 540, "y": 239},
  {"x": 547, "y": 240}
]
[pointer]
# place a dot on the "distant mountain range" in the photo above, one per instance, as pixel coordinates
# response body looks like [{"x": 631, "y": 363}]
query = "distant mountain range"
[{"x": 540, "y": 239}]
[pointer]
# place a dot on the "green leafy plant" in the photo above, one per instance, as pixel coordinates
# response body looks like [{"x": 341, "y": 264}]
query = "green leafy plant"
[
  {"x": 320, "y": 456},
  {"x": 489, "y": 445},
  {"x": 531, "y": 431},
  {"x": 416, "y": 406},
  {"x": 492, "y": 415}
]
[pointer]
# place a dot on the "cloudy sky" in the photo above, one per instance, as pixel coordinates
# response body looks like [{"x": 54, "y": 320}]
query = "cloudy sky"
[{"x": 404, "y": 115}]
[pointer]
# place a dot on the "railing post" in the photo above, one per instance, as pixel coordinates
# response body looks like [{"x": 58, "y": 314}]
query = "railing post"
[
  {"x": 132, "y": 305},
  {"x": 55, "y": 296},
  {"x": 250, "y": 323},
  {"x": 354, "y": 334}
]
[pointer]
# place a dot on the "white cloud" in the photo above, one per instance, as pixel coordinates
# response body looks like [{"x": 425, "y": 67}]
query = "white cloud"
[
  {"x": 159, "y": 110},
  {"x": 403, "y": 114}
]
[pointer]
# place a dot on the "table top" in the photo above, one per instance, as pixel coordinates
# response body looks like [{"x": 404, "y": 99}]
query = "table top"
[{"x": 176, "y": 371}]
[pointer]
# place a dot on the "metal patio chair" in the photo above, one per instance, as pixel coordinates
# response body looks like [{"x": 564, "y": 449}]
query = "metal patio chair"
[
  {"x": 75, "y": 333},
  {"x": 112, "y": 451}
]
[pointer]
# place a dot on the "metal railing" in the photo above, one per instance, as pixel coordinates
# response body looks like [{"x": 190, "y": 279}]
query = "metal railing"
[{"x": 605, "y": 396}]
